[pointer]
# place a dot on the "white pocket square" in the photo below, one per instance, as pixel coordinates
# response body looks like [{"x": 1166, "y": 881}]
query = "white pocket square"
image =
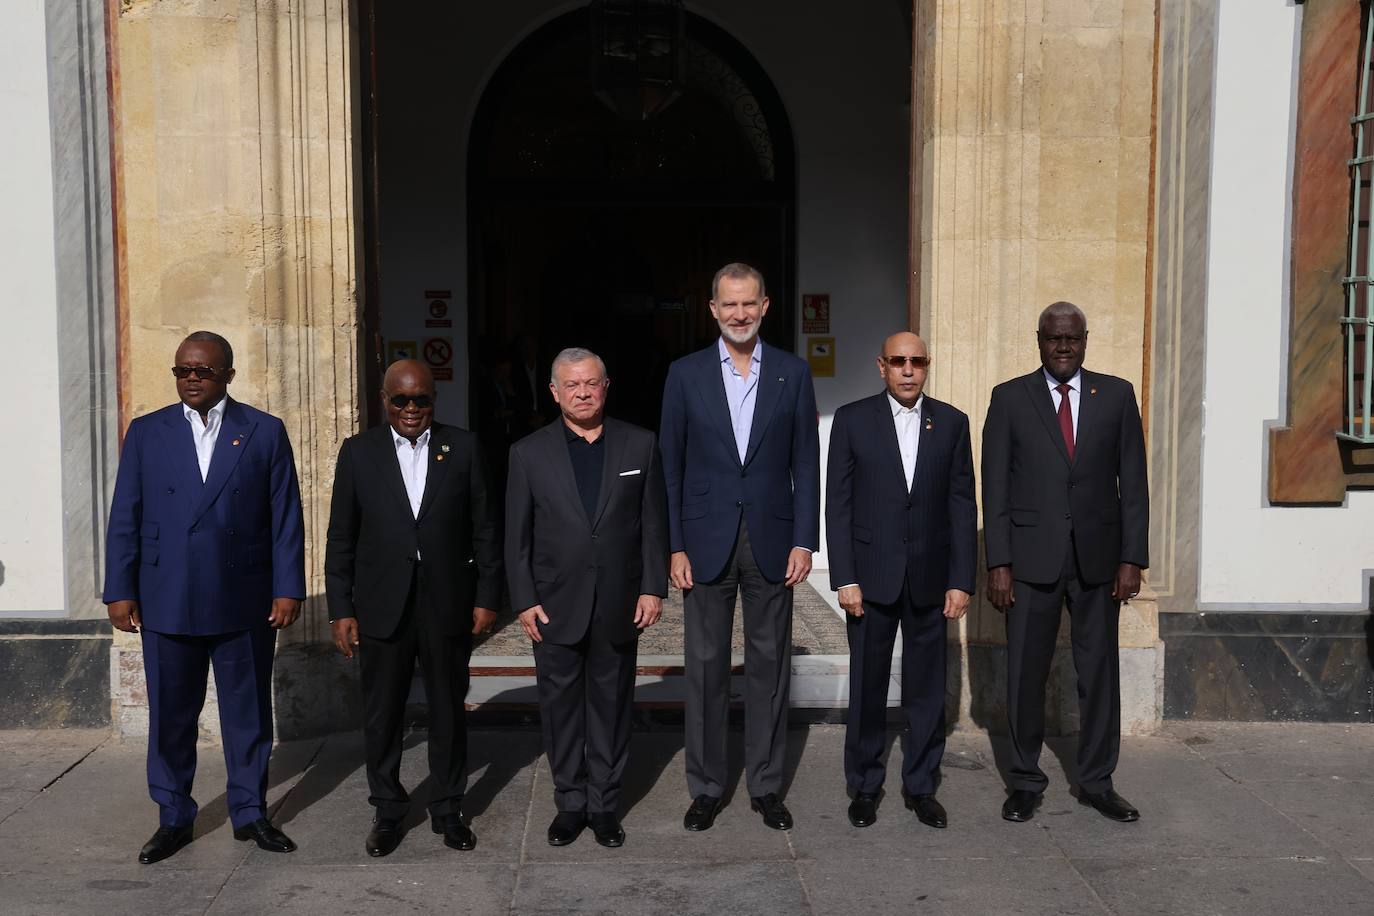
[{"x": 629, "y": 473}]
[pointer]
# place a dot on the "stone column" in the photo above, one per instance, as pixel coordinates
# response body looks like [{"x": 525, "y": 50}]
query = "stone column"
[
  {"x": 1034, "y": 146},
  {"x": 237, "y": 172}
]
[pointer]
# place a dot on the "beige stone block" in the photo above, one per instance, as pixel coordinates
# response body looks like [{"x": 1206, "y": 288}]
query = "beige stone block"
[
  {"x": 1083, "y": 13},
  {"x": 1133, "y": 190},
  {"x": 1081, "y": 85},
  {"x": 1078, "y": 187},
  {"x": 197, "y": 74},
  {"x": 1139, "y": 15},
  {"x": 1137, "y": 83},
  {"x": 1083, "y": 272}
]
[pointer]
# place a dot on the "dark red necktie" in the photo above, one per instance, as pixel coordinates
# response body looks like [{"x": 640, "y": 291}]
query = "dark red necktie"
[{"x": 1065, "y": 417}]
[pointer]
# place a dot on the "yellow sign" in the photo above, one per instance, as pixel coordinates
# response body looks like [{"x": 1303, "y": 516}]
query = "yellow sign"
[{"x": 820, "y": 353}]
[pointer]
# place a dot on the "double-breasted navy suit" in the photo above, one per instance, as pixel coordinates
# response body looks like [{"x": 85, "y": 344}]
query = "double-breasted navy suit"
[{"x": 204, "y": 561}]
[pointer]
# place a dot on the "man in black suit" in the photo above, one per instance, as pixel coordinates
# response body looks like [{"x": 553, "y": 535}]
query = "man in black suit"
[
  {"x": 1066, "y": 520},
  {"x": 412, "y": 571},
  {"x": 902, "y": 537},
  {"x": 587, "y": 561}
]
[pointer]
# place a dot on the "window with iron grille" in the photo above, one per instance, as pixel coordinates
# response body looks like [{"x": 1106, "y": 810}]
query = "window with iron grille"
[{"x": 1358, "y": 321}]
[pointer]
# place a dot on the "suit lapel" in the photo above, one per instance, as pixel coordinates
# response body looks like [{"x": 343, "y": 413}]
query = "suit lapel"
[
  {"x": 234, "y": 432},
  {"x": 712, "y": 391},
  {"x": 181, "y": 447},
  {"x": 439, "y": 462},
  {"x": 557, "y": 445},
  {"x": 767, "y": 393},
  {"x": 887, "y": 439},
  {"x": 1087, "y": 412},
  {"x": 610, "y": 469},
  {"x": 1038, "y": 390},
  {"x": 384, "y": 453}
]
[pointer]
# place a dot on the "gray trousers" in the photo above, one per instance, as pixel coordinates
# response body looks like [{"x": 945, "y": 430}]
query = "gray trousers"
[{"x": 709, "y": 608}]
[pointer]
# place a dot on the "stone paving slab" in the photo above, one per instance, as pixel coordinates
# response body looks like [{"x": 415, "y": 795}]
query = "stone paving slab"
[{"x": 1254, "y": 820}]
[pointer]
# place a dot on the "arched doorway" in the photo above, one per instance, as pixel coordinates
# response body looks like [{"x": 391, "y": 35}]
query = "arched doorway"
[{"x": 589, "y": 228}]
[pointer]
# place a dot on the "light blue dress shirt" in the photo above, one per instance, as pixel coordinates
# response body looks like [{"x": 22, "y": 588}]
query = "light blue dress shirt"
[{"x": 740, "y": 393}]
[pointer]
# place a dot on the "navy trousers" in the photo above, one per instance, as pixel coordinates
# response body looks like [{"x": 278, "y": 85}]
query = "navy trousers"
[
  {"x": 176, "y": 668},
  {"x": 871, "y": 640}
]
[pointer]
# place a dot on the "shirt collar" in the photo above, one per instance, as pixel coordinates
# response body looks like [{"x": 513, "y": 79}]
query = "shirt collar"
[
  {"x": 755, "y": 358},
  {"x": 896, "y": 405},
  {"x": 571, "y": 435},
  {"x": 211, "y": 415},
  {"x": 1075, "y": 383},
  {"x": 420, "y": 441}
]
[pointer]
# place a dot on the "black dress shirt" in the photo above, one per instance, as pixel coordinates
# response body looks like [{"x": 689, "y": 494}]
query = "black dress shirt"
[{"x": 587, "y": 458}]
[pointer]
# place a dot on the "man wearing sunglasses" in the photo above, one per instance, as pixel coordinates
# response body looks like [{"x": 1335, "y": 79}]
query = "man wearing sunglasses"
[
  {"x": 412, "y": 573},
  {"x": 902, "y": 535},
  {"x": 206, "y": 558}
]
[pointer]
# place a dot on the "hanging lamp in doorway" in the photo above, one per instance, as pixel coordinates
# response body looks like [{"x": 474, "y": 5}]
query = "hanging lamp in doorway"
[{"x": 638, "y": 55}]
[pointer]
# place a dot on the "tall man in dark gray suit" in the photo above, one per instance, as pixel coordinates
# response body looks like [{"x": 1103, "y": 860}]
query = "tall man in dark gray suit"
[
  {"x": 902, "y": 529},
  {"x": 741, "y": 460},
  {"x": 1066, "y": 520},
  {"x": 412, "y": 571},
  {"x": 587, "y": 562}
]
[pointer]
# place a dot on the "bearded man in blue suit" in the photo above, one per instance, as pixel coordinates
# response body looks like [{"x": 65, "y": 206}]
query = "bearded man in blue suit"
[{"x": 205, "y": 557}]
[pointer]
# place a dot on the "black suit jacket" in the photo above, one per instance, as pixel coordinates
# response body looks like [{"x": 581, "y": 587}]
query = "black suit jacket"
[
  {"x": 369, "y": 558},
  {"x": 1034, "y": 498},
  {"x": 557, "y": 557},
  {"x": 877, "y": 534}
]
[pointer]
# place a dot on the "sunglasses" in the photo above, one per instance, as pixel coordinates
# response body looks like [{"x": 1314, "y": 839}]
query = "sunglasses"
[
  {"x": 204, "y": 373},
  {"x": 897, "y": 362},
  {"x": 422, "y": 401}
]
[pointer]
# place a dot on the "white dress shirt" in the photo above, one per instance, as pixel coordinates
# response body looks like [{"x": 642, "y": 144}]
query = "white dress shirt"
[
  {"x": 414, "y": 461},
  {"x": 907, "y": 421},
  {"x": 205, "y": 433},
  {"x": 1075, "y": 385}
]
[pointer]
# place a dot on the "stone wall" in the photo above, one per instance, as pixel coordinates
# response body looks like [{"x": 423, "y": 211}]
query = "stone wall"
[
  {"x": 1035, "y": 151},
  {"x": 236, "y": 166}
]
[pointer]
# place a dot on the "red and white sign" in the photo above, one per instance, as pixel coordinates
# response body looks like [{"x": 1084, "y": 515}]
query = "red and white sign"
[{"x": 437, "y": 351}]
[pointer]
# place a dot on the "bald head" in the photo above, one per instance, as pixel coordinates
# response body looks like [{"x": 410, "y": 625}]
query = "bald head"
[
  {"x": 408, "y": 369},
  {"x": 903, "y": 365},
  {"x": 408, "y": 397}
]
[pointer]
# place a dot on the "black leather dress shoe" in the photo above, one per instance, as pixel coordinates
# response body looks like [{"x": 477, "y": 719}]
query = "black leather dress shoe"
[
  {"x": 265, "y": 835},
  {"x": 928, "y": 811},
  {"x": 702, "y": 814},
  {"x": 164, "y": 843},
  {"x": 1019, "y": 806},
  {"x": 457, "y": 834},
  {"x": 1110, "y": 805},
  {"x": 863, "y": 810},
  {"x": 384, "y": 837},
  {"x": 775, "y": 813},
  {"x": 607, "y": 830},
  {"x": 566, "y": 827}
]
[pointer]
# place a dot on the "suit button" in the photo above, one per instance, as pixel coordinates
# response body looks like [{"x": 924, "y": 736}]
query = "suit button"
[
  {"x": 1068, "y": 515},
  {"x": 906, "y": 540},
  {"x": 231, "y": 565},
  {"x": 593, "y": 537},
  {"x": 410, "y": 559},
  {"x": 193, "y": 531},
  {"x": 230, "y": 532},
  {"x": 743, "y": 473},
  {"x": 171, "y": 489},
  {"x": 739, "y": 502},
  {"x": 908, "y": 505},
  {"x": 236, "y": 492},
  {"x": 417, "y": 526}
]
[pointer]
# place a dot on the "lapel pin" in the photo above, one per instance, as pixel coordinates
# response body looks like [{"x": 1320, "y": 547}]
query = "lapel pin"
[
  {"x": 1092, "y": 391},
  {"x": 444, "y": 448},
  {"x": 236, "y": 442},
  {"x": 438, "y": 457},
  {"x": 781, "y": 379},
  {"x": 930, "y": 424}
]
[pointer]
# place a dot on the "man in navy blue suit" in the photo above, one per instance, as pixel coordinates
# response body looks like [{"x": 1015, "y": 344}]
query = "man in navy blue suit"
[
  {"x": 206, "y": 558},
  {"x": 902, "y": 537},
  {"x": 741, "y": 461}
]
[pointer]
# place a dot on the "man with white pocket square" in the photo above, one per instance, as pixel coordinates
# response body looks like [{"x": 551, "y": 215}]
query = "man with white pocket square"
[{"x": 587, "y": 563}]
